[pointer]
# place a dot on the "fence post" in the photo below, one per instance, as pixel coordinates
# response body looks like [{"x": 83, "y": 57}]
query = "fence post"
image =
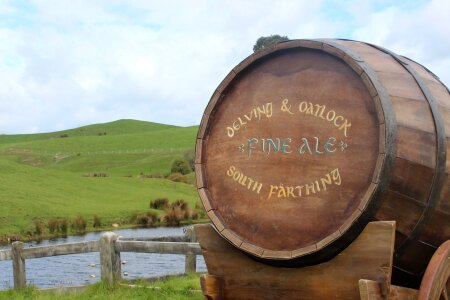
[
  {"x": 18, "y": 265},
  {"x": 190, "y": 264},
  {"x": 109, "y": 258}
]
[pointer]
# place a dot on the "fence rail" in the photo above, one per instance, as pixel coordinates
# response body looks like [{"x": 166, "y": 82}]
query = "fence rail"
[{"x": 109, "y": 246}]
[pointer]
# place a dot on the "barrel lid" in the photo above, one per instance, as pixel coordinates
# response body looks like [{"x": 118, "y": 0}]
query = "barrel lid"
[{"x": 291, "y": 152}]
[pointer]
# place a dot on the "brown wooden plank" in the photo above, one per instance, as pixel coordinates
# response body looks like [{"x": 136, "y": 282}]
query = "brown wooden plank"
[
  {"x": 369, "y": 256},
  {"x": 211, "y": 287},
  {"x": 404, "y": 210},
  {"x": 62, "y": 249},
  {"x": 401, "y": 85},
  {"x": 402, "y": 293},
  {"x": 437, "y": 229},
  {"x": 405, "y": 180},
  {"x": 417, "y": 146},
  {"x": 413, "y": 114},
  {"x": 370, "y": 290}
]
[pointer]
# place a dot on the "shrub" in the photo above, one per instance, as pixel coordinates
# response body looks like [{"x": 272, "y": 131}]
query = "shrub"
[
  {"x": 183, "y": 207},
  {"x": 147, "y": 219},
  {"x": 52, "y": 225},
  {"x": 180, "y": 165},
  {"x": 159, "y": 203},
  {"x": 63, "y": 226},
  {"x": 79, "y": 224},
  {"x": 173, "y": 215},
  {"x": 144, "y": 221},
  {"x": 152, "y": 175},
  {"x": 96, "y": 222},
  {"x": 181, "y": 204},
  {"x": 177, "y": 177},
  {"x": 195, "y": 215},
  {"x": 39, "y": 227}
]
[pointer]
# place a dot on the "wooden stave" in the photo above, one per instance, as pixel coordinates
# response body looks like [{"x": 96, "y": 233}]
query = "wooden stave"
[
  {"x": 413, "y": 251},
  {"x": 331, "y": 46}
]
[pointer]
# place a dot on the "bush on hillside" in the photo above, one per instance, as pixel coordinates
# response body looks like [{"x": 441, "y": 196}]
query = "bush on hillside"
[
  {"x": 57, "y": 226},
  {"x": 180, "y": 165},
  {"x": 96, "y": 221},
  {"x": 159, "y": 203},
  {"x": 52, "y": 225},
  {"x": 63, "y": 226},
  {"x": 39, "y": 227},
  {"x": 173, "y": 216},
  {"x": 152, "y": 175},
  {"x": 178, "y": 177},
  {"x": 147, "y": 220},
  {"x": 79, "y": 224}
]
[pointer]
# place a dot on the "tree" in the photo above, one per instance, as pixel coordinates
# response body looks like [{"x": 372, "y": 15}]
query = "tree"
[
  {"x": 180, "y": 165},
  {"x": 268, "y": 41}
]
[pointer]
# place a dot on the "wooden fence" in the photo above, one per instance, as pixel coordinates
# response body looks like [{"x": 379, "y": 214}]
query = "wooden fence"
[{"x": 110, "y": 246}]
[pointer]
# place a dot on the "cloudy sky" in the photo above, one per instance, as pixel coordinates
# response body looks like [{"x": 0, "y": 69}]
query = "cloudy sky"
[{"x": 65, "y": 64}]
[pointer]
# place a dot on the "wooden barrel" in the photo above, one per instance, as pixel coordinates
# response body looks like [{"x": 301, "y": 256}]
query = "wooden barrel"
[{"x": 303, "y": 144}]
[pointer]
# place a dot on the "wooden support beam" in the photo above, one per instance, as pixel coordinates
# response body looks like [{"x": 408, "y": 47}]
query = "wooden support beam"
[
  {"x": 158, "y": 247},
  {"x": 63, "y": 249},
  {"x": 190, "y": 265},
  {"x": 18, "y": 265},
  {"x": 211, "y": 287},
  {"x": 109, "y": 258},
  {"x": 368, "y": 257}
]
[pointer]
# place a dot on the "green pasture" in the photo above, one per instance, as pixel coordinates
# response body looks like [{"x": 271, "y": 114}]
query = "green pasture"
[
  {"x": 180, "y": 288},
  {"x": 43, "y": 176}
]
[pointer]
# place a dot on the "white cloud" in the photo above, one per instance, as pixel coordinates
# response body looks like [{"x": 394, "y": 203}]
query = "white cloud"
[
  {"x": 70, "y": 63},
  {"x": 421, "y": 34}
]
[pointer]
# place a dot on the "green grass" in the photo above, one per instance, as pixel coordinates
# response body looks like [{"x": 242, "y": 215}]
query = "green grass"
[
  {"x": 41, "y": 175},
  {"x": 178, "y": 288}
]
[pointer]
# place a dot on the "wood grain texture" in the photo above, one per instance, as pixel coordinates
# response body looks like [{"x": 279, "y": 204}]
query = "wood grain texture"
[
  {"x": 257, "y": 106},
  {"x": 371, "y": 290},
  {"x": 400, "y": 108},
  {"x": 241, "y": 277}
]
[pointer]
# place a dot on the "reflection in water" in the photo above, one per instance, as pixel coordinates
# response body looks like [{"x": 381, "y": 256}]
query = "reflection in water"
[{"x": 80, "y": 269}]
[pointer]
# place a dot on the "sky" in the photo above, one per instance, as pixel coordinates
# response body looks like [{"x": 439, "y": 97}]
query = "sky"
[{"x": 65, "y": 64}]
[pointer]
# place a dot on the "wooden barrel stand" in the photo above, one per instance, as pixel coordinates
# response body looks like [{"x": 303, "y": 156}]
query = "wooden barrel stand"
[{"x": 362, "y": 271}]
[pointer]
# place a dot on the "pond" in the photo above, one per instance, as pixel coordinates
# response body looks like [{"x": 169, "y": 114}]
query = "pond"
[{"x": 81, "y": 269}]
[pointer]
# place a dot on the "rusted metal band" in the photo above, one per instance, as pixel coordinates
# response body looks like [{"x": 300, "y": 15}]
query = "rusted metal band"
[{"x": 441, "y": 153}]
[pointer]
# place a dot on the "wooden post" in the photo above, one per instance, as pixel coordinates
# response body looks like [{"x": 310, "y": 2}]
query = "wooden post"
[
  {"x": 109, "y": 258},
  {"x": 191, "y": 259},
  {"x": 18, "y": 265}
]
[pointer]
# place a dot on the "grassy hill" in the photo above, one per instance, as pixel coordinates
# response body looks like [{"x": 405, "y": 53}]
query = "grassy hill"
[{"x": 43, "y": 176}]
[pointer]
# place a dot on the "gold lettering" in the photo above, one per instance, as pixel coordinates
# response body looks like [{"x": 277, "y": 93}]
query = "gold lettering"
[
  {"x": 333, "y": 115},
  {"x": 273, "y": 189},
  {"x": 230, "y": 171},
  {"x": 345, "y": 126},
  {"x": 325, "y": 181},
  {"x": 309, "y": 187},
  {"x": 317, "y": 186},
  {"x": 336, "y": 176},
  {"x": 281, "y": 192},
  {"x": 230, "y": 131},
  {"x": 310, "y": 109}
]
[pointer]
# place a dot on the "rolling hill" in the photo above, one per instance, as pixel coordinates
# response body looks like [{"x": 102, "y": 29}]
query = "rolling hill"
[{"x": 44, "y": 175}]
